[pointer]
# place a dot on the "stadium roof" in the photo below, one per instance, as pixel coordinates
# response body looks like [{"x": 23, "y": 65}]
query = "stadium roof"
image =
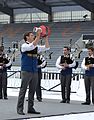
[{"x": 7, "y": 6}]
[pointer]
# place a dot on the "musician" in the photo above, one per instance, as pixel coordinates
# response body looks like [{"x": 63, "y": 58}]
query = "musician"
[
  {"x": 65, "y": 63},
  {"x": 42, "y": 63},
  {"x": 5, "y": 63},
  {"x": 29, "y": 69},
  {"x": 88, "y": 66}
]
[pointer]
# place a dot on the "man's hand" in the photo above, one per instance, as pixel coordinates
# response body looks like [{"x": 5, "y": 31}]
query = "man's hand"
[
  {"x": 46, "y": 37},
  {"x": 46, "y": 42},
  {"x": 37, "y": 38},
  {"x": 66, "y": 65},
  {"x": 89, "y": 66},
  {"x": 38, "y": 32},
  {"x": 1, "y": 65},
  {"x": 62, "y": 64}
]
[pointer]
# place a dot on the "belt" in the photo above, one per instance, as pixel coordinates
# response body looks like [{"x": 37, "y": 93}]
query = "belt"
[{"x": 32, "y": 55}]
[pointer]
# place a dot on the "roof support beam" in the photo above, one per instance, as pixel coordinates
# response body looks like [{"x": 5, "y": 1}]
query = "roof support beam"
[
  {"x": 6, "y": 10},
  {"x": 86, "y": 4},
  {"x": 41, "y": 6}
]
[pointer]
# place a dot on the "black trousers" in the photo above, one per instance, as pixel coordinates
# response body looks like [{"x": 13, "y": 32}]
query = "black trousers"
[
  {"x": 65, "y": 86},
  {"x": 28, "y": 79},
  {"x": 38, "y": 89},
  {"x": 3, "y": 84},
  {"x": 89, "y": 86}
]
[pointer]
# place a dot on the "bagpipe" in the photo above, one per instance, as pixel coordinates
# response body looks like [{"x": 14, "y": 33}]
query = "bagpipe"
[{"x": 45, "y": 30}]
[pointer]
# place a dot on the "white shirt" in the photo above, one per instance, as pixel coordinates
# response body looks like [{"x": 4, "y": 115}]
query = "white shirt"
[
  {"x": 83, "y": 63},
  {"x": 27, "y": 47},
  {"x": 8, "y": 64},
  {"x": 61, "y": 67}
]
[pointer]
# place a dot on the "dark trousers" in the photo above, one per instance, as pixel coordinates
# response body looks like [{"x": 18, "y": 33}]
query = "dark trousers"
[
  {"x": 3, "y": 84},
  {"x": 89, "y": 83},
  {"x": 38, "y": 89},
  {"x": 30, "y": 79},
  {"x": 65, "y": 86}
]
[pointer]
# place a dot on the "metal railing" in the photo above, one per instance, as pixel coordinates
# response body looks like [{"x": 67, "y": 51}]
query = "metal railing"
[{"x": 14, "y": 79}]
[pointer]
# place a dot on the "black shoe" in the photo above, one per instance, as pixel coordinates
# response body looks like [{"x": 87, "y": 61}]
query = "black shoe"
[
  {"x": 86, "y": 103},
  {"x": 39, "y": 99},
  {"x": 32, "y": 111},
  {"x": 5, "y": 98},
  {"x": 68, "y": 101},
  {"x": 1, "y": 98},
  {"x": 20, "y": 112},
  {"x": 63, "y": 101}
]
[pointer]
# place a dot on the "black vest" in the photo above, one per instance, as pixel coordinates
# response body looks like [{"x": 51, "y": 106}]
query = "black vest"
[
  {"x": 66, "y": 60},
  {"x": 3, "y": 60},
  {"x": 89, "y": 60},
  {"x": 32, "y": 52}
]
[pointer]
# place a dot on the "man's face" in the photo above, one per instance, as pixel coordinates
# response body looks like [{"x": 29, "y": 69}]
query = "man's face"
[
  {"x": 65, "y": 51},
  {"x": 30, "y": 38},
  {"x": 90, "y": 52}
]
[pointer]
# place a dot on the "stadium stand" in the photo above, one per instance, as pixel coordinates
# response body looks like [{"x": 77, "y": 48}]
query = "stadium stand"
[{"x": 61, "y": 33}]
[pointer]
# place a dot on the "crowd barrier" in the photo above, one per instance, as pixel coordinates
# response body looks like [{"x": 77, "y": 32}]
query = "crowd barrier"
[{"x": 50, "y": 80}]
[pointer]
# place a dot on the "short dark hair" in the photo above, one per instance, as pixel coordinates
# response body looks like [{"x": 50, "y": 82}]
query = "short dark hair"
[
  {"x": 26, "y": 34},
  {"x": 91, "y": 48},
  {"x": 67, "y": 48}
]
